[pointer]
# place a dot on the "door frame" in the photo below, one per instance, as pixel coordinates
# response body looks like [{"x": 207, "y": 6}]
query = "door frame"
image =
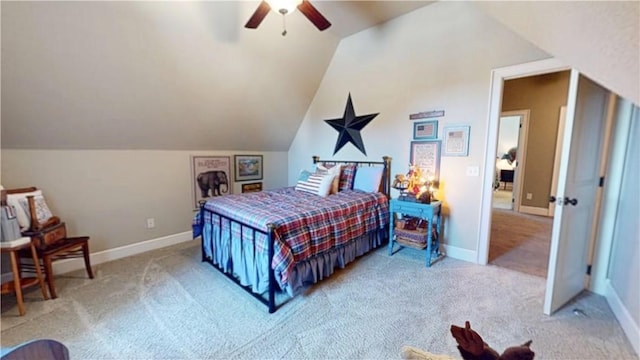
[
  {"x": 523, "y": 135},
  {"x": 498, "y": 76}
]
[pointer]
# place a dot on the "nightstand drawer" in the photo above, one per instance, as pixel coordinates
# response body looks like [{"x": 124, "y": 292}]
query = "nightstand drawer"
[
  {"x": 414, "y": 208},
  {"x": 411, "y": 210}
]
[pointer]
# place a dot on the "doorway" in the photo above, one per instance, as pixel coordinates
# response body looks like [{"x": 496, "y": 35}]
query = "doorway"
[
  {"x": 578, "y": 174},
  {"x": 520, "y": 235},
  {"x": 510, "y": 157}
]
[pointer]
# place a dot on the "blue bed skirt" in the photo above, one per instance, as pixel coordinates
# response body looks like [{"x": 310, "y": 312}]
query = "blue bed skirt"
[{"x": 244, "y": 262}]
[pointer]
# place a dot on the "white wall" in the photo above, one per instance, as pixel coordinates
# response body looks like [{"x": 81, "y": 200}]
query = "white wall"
[
  {"x": 437, "y": 57},
  {"x": 599, "y": 38},
  {"x": 109, "y": 194},
  {"x": 624, "y": 264}
]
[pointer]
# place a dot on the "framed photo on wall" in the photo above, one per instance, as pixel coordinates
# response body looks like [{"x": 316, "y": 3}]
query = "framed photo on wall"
[
  {"x": 248, "y": 167},
  {"x": 425, "y": 130},
  {"x": 252, "y": 187},
  {"x": 456, "y": 141},
  {"x": 210, "y": 177},
  {"x": 426, "y": 156}
]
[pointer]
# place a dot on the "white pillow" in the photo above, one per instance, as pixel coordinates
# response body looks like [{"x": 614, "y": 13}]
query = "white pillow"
[
  {"x": 14, "y": 200},
  {"x": 333, "y": 170},
  {"x": 368, "y": 178},
  {"x": 314, "y": 183},
  {"x": 42, "y": 210}
]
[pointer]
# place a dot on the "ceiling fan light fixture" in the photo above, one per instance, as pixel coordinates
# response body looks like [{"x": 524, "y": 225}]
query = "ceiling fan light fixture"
[{"x": 284, "y": 7}]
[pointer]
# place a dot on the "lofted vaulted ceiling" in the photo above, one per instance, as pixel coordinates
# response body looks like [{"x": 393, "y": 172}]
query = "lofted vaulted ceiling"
[
  {"x": 166, "y": 75},
  {"x": 188, "y": 76}
]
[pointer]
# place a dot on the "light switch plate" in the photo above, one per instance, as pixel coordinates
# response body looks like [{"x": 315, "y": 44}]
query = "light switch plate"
[{"x": 473, "y": 170}]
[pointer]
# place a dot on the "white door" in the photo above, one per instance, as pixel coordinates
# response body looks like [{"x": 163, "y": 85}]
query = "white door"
[
  {"x": 556, "y": 159},
  {"x": 577, "y": 184}
]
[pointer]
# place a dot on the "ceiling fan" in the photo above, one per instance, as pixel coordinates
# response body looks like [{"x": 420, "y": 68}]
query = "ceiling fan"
[{"x": 285, "y": 7}]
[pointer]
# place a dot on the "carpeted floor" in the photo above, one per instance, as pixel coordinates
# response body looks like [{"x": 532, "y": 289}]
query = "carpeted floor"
[{"x": 167, "y": 304}]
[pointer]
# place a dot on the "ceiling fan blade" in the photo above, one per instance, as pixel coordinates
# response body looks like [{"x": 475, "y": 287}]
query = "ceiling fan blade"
[
  {"x": 258, "y": 15},
  {"x": 314, "y": 15}
]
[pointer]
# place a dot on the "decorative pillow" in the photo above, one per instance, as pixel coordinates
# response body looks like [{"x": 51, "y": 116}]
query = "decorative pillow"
[
  {"x": 42, "y": 210},
  {"x": 331, "y": 170},
  {"x": 346, "y": 177},
  {"x": 314, "y": 183},
  {"x": 14, "y": 200},
  {"x": 368, "y": 178}
]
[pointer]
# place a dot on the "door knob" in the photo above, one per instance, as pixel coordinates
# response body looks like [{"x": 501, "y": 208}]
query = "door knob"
[
  {"x": 573, "y": 202},
  {"x": 552, "y": 199}
]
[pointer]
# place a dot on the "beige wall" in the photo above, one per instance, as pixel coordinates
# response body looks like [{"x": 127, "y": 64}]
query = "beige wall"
[
  {"x": 109, "y": 194},
  {"x": 543, "y": 95}
]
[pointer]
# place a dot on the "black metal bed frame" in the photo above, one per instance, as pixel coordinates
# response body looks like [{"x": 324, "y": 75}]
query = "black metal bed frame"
[{"x": 270, "y": 301}]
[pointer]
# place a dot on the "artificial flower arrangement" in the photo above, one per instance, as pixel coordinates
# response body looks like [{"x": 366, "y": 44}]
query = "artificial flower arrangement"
[{"x": 414, "y": 186}]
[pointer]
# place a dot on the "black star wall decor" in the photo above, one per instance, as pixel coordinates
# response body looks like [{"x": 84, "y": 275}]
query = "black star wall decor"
[{"x": 349, "y": 126}]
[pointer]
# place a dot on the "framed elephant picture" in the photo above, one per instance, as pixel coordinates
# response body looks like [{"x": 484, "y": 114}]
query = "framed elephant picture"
[{"x": 210, "y": 177}]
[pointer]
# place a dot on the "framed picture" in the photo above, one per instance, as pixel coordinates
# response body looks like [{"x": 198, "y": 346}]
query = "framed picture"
[
  {"x": 425, "y": 130},
  {"x": 426, "y": 156},
  {"x": 251, "y": 187},
  {"x": 209, "y": 177},
  {"x": 248, "y": 167},
  {"x": 456, "y": 141},
  {"x": 426, "y": 114}
]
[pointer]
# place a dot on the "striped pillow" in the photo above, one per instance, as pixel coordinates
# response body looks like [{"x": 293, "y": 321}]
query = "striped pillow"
[
  {"x": 347, "y": 175},
  {"x": 314, "y": 183}
]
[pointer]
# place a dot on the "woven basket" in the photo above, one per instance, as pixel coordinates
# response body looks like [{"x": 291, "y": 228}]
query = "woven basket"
[{"x": 412, "y": 238}]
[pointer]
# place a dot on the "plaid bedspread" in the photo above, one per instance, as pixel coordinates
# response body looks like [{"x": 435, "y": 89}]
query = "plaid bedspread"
[{"x": 305, "y": 224}]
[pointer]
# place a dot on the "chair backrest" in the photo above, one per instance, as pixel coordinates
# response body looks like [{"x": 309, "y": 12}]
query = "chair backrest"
[{"x": 44, "y": 349}]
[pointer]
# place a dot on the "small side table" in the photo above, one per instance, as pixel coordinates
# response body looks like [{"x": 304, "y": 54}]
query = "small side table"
[
  {"x": 17, "y": 284},
  {"x": 429, "y": 212}
]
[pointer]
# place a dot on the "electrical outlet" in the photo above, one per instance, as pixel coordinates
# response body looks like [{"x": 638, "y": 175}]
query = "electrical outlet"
[
  {"x": 151, "y": 223},
  {"x": 529, "y": 196}
]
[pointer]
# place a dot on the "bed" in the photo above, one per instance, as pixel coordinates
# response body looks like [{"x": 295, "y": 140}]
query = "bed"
[{"x": 284, "y": 240}]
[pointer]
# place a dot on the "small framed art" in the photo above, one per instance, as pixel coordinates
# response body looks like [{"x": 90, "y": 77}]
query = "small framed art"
[
  {"x": 248, "y": 167},
  {"x": 426, "y": 156},
  {"x": 425, "y": 130},
  {"x": 456, "y": 141},
  {"x": 252, "y": 187}
]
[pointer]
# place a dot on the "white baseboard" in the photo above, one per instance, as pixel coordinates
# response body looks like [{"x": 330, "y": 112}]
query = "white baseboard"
[
  {"x": 67, "y": 265},
  {"x": 534, "y": 210},
  {"x": 630, "y": 328},
  {"x": 460, "y": 253}
]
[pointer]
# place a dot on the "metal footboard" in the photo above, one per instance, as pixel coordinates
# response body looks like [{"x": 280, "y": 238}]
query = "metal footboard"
[{"x": 270, "y": 302}]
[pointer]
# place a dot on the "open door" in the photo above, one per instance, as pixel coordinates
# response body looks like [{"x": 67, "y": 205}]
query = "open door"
[
  {"x": 578, "y": 179},
  {"x": 556, "y": 159}
]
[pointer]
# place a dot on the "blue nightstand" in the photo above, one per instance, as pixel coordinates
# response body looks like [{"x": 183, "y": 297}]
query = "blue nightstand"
[{"x": 429, "y": 212}]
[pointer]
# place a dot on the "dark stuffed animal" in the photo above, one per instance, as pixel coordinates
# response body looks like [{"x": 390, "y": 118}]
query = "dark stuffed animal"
[{"x": 472, "y": 347}]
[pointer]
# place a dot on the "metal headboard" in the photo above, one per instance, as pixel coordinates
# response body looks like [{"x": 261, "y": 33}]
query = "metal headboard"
[{"x": 385, "y": 163}]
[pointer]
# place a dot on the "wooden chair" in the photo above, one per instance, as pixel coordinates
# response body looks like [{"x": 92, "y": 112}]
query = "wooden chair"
[{"x": 52, "y": 243}]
